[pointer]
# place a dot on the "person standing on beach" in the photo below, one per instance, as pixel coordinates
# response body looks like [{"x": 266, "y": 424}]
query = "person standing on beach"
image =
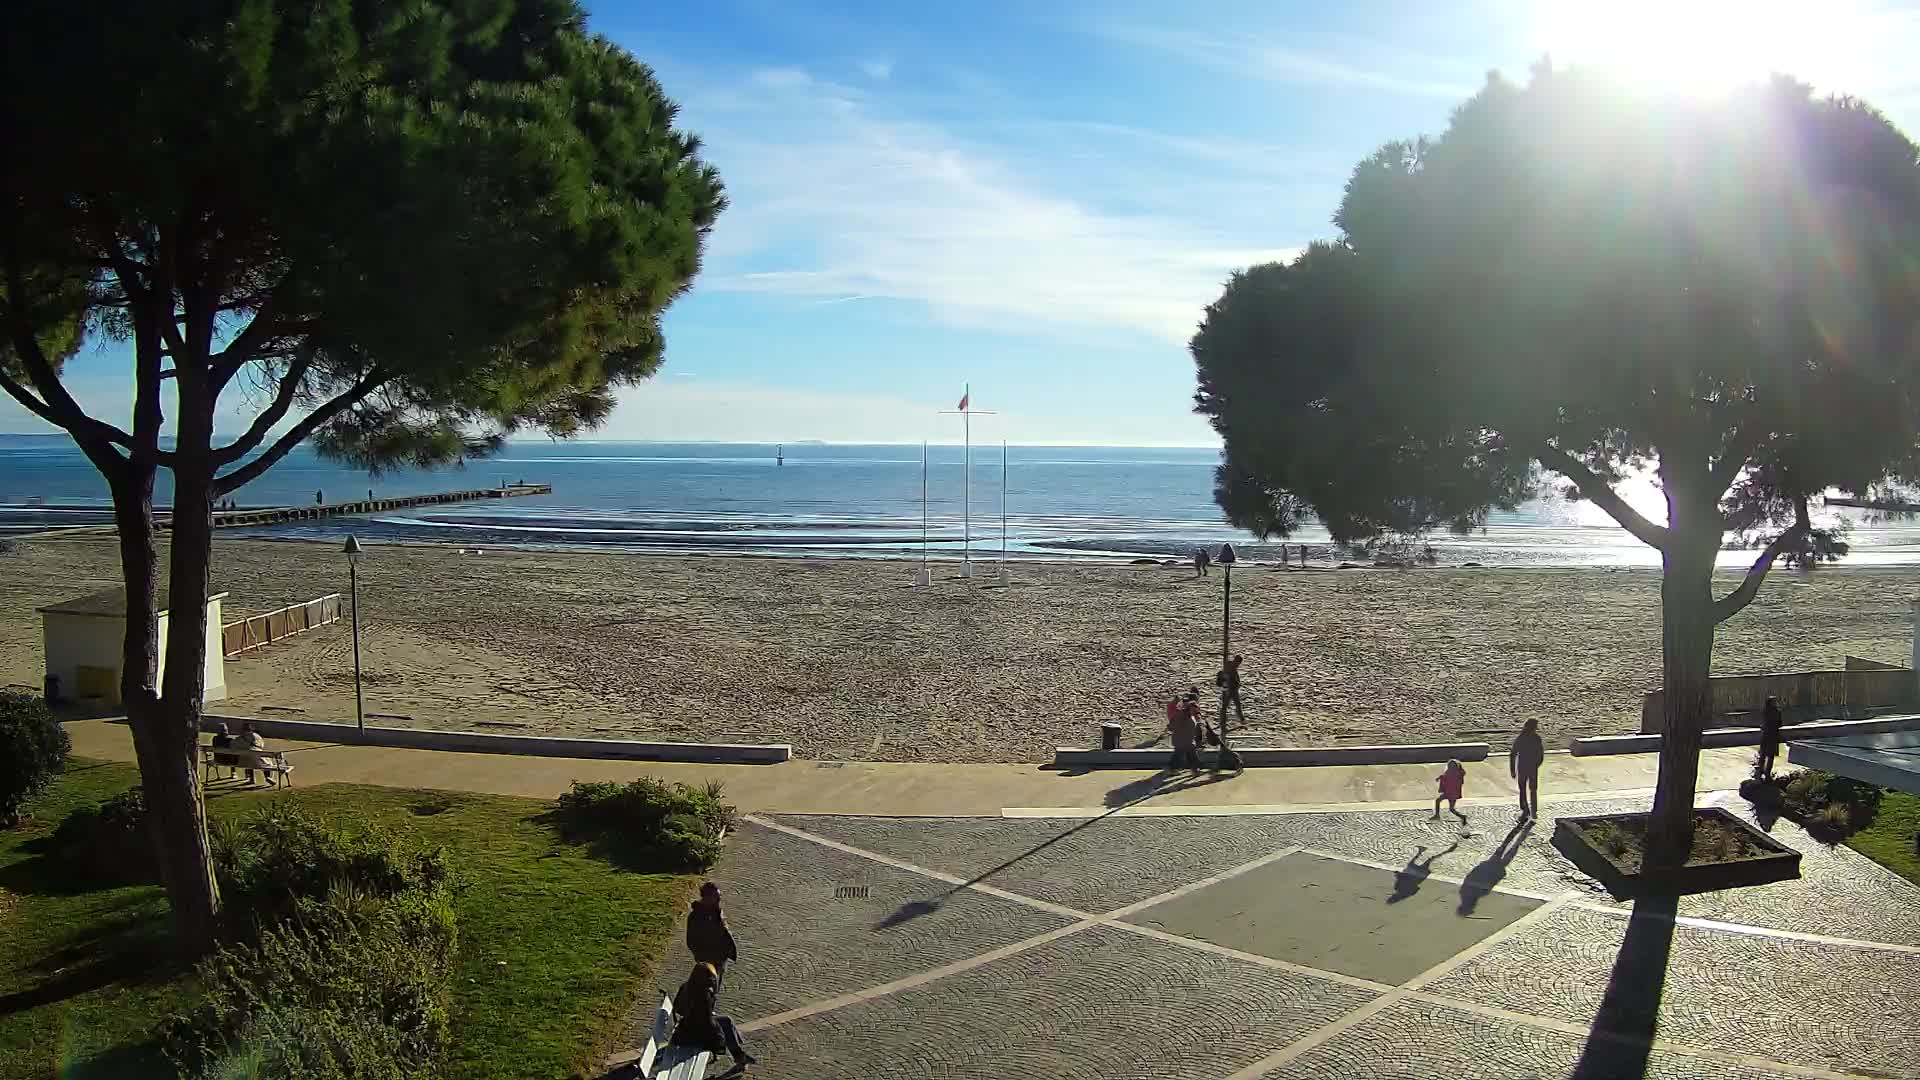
[
  {"x": 1451, "y": 783},
  {"x": 1770, "y": 723},
  {"x": 1201, "y": 560},
  {"x": 1523, "y": 764},
  {"x": 708, "y": 938},
  {"x": 1229, "y": 683}
]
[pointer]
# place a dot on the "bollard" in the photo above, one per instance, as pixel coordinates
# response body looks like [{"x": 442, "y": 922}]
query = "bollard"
[{"x": 1109, "y": 736}]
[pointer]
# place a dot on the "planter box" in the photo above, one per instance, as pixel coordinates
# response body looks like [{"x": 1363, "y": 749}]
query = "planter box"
[{"x": 1764, "y": 859}]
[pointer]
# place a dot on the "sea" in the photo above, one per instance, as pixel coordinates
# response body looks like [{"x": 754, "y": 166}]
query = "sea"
[{"x": 1088, "y": 503}]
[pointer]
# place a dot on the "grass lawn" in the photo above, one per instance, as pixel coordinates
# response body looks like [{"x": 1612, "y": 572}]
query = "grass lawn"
[
  {"x": 1889, "y": 840},
  {"x": 555, "y": 946}
]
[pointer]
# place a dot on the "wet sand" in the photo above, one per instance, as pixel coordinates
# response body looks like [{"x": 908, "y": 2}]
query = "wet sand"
[{"x": 845, "y": 660}]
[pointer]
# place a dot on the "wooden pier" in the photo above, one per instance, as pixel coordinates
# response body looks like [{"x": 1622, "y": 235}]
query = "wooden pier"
[{"x": 276, "y": 515}]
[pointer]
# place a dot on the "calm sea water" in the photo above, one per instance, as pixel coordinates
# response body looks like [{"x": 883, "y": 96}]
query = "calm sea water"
[{"x": 828, "y": 500}]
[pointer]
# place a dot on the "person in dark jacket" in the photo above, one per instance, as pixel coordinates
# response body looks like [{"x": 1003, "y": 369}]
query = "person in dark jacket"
[
  {"x": 708, "y": 938},
  {"x": 1770, "y": 721},
  {"x": 697, "y": 1025},
  {"x": 1523, "y": 763}
]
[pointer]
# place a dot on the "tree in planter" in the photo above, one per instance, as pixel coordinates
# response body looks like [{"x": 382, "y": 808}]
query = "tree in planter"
[
  {"x": 1582, "y": 281},
  {"x": 401, "y": 231}
]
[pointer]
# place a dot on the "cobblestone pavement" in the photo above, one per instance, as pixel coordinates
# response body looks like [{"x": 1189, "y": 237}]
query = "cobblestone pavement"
[{"x": 1367, "y": 944}]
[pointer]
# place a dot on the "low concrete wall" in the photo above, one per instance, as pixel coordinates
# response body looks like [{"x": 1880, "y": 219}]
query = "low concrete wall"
[
  {"x": 1067, "y": 757},
  {"x": 531, "y": 745},
  {"x": 1714, "y": 738},
  {"x": 1804, "y": 695}
]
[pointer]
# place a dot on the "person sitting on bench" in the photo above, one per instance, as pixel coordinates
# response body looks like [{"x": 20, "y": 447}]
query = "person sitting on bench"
[
  {"x": 699, "y": 1026},
  {"x": 252, "y": 742},
  {"x": 223, "y": 740}
]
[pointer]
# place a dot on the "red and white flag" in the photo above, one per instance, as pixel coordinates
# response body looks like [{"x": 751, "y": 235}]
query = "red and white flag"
[{"x": 963, "y": 400}]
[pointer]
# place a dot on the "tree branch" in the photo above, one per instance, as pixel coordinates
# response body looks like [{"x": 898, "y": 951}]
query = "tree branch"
[
  {"x": 283, "y": 398},
  {"x": 1736, "y": 601},
  {"x": 60, "y": 408},
  {"x": 298, "y": 433},
  {"x": 1741, "y": 443},
  {"x": 1601, "y": 494}
]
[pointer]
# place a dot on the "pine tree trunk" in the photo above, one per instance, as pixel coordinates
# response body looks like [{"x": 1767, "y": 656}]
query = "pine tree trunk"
[
  {"x": 163, "y": 743},
  {"x": 1686, "y": 663}
]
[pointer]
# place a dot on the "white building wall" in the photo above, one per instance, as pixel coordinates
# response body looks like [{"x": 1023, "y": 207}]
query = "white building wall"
[{"x": 76, "y": 641}]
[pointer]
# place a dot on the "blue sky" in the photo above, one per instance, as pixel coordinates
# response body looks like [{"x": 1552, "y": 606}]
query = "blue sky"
[{"x": 1039, "y": 199}]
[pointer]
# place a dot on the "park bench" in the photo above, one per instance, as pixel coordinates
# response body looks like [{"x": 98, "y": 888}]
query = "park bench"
[
  {"x": 661, "y": 1060},
  {"x": 265, "y": 761}
]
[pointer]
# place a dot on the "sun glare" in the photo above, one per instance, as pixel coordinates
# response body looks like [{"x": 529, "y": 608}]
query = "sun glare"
[{"x": 1698, "y": 46}]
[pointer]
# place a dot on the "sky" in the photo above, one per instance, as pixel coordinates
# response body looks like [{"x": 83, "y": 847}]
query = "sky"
[{"x": 1039, "y": 200}]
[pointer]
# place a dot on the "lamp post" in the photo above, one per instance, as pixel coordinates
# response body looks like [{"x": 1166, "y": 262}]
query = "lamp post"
[
  {"x": 1228, "y": 759},
  {"x": 353, "y": 577}
]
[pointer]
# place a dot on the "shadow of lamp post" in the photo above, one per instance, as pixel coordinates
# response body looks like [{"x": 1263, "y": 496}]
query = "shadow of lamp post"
[{"x": 353, "y": 578}]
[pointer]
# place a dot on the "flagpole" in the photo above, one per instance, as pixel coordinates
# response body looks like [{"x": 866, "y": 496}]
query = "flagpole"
[
  {"x": 1003, "y": 512},
  {"x": 966, "y": 495},
  {"x": 923, "y": 509}
]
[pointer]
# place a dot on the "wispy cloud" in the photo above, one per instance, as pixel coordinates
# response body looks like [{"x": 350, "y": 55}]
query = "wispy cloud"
[
  {"x": 879, "y": 70},
  {"x": 846, "y": 198},
  {"x": 1277, "y": 62}
]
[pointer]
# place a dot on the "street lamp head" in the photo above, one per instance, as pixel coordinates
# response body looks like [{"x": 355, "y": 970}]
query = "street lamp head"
[
  {"x": 353, "y": 546},
  {"x": 1226, "y": 555}
]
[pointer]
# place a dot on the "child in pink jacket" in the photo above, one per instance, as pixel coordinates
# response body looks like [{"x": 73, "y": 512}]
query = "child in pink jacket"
[{"x": 1450, "y": 783}]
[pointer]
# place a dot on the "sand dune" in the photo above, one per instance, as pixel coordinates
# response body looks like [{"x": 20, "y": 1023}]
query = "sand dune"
[{"x": 844, "y": 660}]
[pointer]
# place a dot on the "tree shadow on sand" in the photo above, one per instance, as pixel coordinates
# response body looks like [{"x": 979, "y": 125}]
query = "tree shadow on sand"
[
  {"x": 1620, "y": 1043},
  {"x": 1131, "y": 793}
]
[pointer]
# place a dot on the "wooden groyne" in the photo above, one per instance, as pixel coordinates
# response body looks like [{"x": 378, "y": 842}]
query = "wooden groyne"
[{"x": 275, "y": 515}]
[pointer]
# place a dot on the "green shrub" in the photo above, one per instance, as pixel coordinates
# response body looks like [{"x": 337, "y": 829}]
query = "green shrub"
[
  {"x": 1837, "y": 806},
  {"x": 336, "y": 954},
  {"x": 33, "y": 749},
  {"x": 353, "y": 987},
  {"x": 649, "y": 823},
  {"x": 271, "y": 864},
  {"x": 108, "y": 844}
]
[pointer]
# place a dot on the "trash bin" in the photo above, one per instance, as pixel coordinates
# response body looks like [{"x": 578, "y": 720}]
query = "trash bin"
[{"x": 1109, "y": 736}]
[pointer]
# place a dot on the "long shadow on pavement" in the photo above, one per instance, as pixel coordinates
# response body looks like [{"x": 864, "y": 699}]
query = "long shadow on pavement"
[
  {"x": 1621, "y": 1040},
  {"x": 1487, "y": 874},
  {"x": 1131, "y": 793}
]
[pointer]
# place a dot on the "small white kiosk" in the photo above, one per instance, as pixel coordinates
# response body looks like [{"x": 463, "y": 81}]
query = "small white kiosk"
[{"x": 84, "y": 638}]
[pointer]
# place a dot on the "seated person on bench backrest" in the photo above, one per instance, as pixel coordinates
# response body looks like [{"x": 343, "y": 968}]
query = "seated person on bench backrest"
[
  {"x": 251, "y": 741},
  {"x": 699, "y": 1026}
]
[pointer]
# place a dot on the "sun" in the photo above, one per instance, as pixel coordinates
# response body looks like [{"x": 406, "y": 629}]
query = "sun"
[{"x": 1698, "y": 46}]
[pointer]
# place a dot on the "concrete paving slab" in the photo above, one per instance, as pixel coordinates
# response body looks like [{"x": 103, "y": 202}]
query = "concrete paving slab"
[
  {"x": 1802, "y": 1003},
  {"x": 1419, "y": 1040},
  {"x": 813, "y": 922},
  {"x": 1336, "y": 916},
  {"x": 1101, "y": 1004}
]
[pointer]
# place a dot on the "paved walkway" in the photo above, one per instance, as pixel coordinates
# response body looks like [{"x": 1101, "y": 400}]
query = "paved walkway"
[
  {"x": 1302, "y": 946},
  {"x": 1309, "y": 924},
  {"x": 834, "y": 787}
]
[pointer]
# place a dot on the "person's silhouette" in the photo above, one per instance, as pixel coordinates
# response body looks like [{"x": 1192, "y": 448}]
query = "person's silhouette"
[
  {"x": 1406, "y": 882},
  {"x": 1523, "y": 763}
]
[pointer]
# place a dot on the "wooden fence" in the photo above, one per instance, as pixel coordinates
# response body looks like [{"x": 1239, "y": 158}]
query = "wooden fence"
[
  {"x": 1803, "y": 695},
  {"x": 257, "y": 630}
]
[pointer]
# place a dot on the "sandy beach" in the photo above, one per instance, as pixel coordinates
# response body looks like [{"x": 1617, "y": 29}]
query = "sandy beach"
[{"x": 846, "y": 661}]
